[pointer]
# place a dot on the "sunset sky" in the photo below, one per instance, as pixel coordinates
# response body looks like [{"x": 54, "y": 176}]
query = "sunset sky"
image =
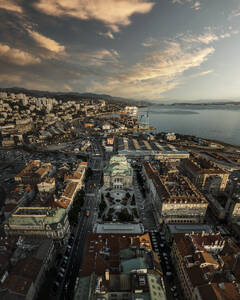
[{"x": 140, "y": 49}]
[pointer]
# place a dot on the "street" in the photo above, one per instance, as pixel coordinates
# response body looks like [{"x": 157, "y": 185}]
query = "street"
[
  {"x": 144, "y": 206},
  {"x": 85, "y": 225}
]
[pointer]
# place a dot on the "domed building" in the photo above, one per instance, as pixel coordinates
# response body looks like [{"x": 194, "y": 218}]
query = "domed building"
[{"x": 118, "y": 174}]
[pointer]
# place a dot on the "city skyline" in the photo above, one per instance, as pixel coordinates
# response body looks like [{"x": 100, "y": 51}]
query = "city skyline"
[{"x": 145, "y": 50}]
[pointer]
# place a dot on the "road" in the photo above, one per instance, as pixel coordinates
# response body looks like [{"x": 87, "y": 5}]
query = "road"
[
  {"x": 85, "y": 225},
  {"x": 144, "y": 206}
]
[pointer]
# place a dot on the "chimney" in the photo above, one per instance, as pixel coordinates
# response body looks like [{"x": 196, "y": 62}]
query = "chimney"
[
  {"x": 236, "y": 258},
  {"x": 107, "y": 274},
  {"x": 221, "y": 285}
]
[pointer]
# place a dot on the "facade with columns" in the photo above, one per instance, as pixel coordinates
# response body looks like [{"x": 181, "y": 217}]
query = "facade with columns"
[{"x": 118, "y": 174}]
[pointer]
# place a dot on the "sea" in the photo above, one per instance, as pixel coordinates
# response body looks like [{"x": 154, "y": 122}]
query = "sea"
[{"x": 220, "y": 123}]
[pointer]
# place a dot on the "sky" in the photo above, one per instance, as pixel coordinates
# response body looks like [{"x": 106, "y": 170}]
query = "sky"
[{"x": 138, "y": 49}]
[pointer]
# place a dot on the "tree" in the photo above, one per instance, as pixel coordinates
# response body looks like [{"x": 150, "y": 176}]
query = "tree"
[
  {"x": 109, "y": 217},
  {"x": 102, "y": 206},
  {"x": 143, "y": 192},
  {"x": 128, "y": 195},
  {"x": 125, "y": 216},
  {"x": 133, "y": 202},
  {"x": 76, "y": 207},
  {"x": 88, "y": 174}
]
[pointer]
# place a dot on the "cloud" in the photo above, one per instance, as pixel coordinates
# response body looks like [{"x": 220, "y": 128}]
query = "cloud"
[
  {"x": 11, "y": 5},
  {"x": 195, "y": 5},
  {"x": 202, "y": 73},
  {"x": 158, "y": 73},
  {"x": 181, "y": 1},
  {"x": 113, "y": 13},
  {"x": 205, "y": 38},
  {"x": 169, "y": 63},
  {"x": 149, "y": 42},
  {"x": 235, "y": 13},
  {"x": 10, "y": 78},
  {"x": 188, "y": 38},
  {"x": 225, "y": 35},
  {"x": 17, "y": 56},
  {"x": 97, "y": 58},
  {"x": 67, "y": 87},
  {"x": 107, "y": 34},
  {"x": 46, "y": 42},
  {"x": 208, "y": 38}
]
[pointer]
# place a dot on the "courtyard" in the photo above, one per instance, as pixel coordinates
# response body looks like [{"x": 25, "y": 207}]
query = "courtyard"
[{"x": 118, "y": 205}]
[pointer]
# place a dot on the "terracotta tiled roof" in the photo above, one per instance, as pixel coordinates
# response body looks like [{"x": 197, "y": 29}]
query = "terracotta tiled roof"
[
  {"x": 28, "y": 267},
  {"x": 95, "y": 260},
  {"x": 208, "y": 258},
  {"x": 150, "y": 170},
  {"x": 17, "y": 284},
  {"x": 214, "y": 291}
]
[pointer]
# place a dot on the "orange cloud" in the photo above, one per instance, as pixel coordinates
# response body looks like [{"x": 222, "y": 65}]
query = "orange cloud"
[
  {"x": 46, "y": 42},
  {"x": 98, "y": 58},
  {"x": 17, "y": 56},
  {"x": 107, "y": 34},
  {"x": 205, "y": 38},
  {"x": 208, "y": 38},
  {"x": 11, "y": 5},
  {"x": 113, "y": 13},
  {"x": 159, "y": 72}
]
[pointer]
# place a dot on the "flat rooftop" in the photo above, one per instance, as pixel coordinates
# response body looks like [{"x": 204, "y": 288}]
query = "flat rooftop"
[
  {"x": 119, "y": 228},
  {"x": 146, "y": 147},
  {"x": 188, "y": 228},
  {"x": 31, "y": 211}
]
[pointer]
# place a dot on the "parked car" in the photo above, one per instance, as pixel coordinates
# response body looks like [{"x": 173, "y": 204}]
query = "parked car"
[
  {"x": 59, "y": 277},
  {"x": 55, "y": 286}
]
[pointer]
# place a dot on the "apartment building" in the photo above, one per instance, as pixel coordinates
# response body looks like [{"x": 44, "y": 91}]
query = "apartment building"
[
  {"x": 205, "y": 174},
  {"x": 174, "y": 197},
  {"x": 23, "y": 265},
  {"x": 207, "y": 266},
  {"x": 38, "y": 221}
]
